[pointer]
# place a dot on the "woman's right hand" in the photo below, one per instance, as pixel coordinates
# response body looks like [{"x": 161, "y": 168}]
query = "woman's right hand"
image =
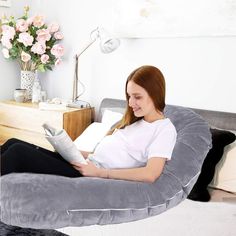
[{"x": 89, "y": 169}]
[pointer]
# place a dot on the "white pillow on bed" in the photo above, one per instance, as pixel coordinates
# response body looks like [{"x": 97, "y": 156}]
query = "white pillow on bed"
[
  {"x": 96, "y": 131},
  {"x": 111, "y": 117},
  {"x": 91, "y": 136}
]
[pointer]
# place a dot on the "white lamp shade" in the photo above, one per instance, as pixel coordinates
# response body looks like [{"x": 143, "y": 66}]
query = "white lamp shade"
[{"x": 108, "y": 45}]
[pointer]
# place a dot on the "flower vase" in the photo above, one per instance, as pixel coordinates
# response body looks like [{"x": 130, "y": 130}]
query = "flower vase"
[{"x": 27, "y": 81}]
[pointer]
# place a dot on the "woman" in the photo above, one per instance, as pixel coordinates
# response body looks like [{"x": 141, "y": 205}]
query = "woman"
[{"x": 136, "y": 150}]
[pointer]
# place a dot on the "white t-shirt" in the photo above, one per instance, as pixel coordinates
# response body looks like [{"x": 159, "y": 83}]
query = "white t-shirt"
[{"x": 132, "y": 146}]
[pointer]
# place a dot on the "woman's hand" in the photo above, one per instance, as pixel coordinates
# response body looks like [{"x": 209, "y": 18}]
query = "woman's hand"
[{"x": 89, "y": 169}]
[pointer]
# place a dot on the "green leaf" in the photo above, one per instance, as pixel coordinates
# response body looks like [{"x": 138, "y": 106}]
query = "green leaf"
[
  {"x": 48, "y": 67},
  {"x": 14, "y": 52},
  {"x": 41, "y": 68}
]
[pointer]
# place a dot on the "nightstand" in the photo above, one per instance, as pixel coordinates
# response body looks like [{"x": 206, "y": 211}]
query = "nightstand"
[{"x": 24, "y": 121}]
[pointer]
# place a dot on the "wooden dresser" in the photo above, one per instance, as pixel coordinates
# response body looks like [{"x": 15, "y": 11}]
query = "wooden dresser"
[{"x": 24, "y": 121}]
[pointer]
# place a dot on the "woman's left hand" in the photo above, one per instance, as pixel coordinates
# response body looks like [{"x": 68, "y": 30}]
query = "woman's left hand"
[{"x": 89, "y": 169}]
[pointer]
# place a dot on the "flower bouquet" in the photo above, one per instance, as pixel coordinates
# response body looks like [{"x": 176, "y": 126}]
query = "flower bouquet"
[{"x": 31, "y": 42}]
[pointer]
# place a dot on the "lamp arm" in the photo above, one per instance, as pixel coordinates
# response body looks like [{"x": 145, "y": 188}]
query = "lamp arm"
[
  {"x": 86, "y": 47},
  {"x": 75, "y": 82},
  {"x": 76, "y": 78}
]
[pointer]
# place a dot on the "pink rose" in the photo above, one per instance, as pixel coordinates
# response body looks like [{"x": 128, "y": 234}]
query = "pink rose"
[
  {"x": 38, "y": 21},
  {"x": 5, "y": 53},
  {"x": 53, "y": 27},
  {"x": 25, "y": 56},
  {"x": 8, "y": 31},
  {"x": 30, "y": 20},
  {"x": 43, "y": 35},
  {"x": 39, "y": 48},
  {"x": 6, "y": 42},
  {"x": 58, "y": 35},
  {"x": 58, "y": 62},
  {"x": 44, "y": 58},
  {"x": 26, "y": 39},
  {"x": 57, "y": 50},
  {"x": 21, "y": 25}
]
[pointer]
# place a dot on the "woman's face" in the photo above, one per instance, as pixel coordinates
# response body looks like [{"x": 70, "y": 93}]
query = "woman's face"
[{"x": 141, "y": 103}]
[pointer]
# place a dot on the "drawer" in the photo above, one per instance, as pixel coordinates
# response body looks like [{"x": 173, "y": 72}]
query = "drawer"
[{"x": 29, "y": 118}]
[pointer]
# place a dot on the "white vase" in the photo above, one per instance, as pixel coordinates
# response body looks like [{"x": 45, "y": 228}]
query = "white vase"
[{"x": 27, "y": 81}]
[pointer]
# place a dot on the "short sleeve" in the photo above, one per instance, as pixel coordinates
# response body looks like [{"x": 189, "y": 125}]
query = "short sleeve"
[{"x": 163, "y": 143}]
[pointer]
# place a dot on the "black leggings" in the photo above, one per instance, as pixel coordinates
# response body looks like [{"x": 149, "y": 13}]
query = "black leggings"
[{"x": 19, "y": 156}]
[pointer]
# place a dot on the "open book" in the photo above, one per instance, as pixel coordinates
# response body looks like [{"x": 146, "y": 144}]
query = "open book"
[
  {"x": 87, "y": 141},
  {"x": 63, "y": 144}
]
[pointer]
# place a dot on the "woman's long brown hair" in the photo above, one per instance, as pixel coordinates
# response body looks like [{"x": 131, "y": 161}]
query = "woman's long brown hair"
[{"x": 152, "y": 80}]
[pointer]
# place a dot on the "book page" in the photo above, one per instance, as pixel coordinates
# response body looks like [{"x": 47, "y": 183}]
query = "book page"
[{"x": 63, "y": 144}]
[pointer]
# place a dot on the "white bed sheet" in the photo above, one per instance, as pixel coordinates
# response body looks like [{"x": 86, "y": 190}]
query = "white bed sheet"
[{"x": 188, "y": 218}]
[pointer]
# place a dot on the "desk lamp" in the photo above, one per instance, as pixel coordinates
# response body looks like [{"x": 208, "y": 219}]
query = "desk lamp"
[{"x": 107, "y": 45}]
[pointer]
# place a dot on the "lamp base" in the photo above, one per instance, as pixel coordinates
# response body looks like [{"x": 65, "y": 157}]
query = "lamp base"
[{"x": 79, "y": 104}]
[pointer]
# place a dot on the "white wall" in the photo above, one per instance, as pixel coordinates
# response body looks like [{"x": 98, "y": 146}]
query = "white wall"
[{"x": 200, "y": 72}]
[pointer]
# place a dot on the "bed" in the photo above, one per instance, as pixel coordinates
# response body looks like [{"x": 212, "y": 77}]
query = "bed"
[{"x": 177, "y": 202}]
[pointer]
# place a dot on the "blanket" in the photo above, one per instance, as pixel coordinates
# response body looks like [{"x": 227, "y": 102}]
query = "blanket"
[{"x": 6, "y": 230}]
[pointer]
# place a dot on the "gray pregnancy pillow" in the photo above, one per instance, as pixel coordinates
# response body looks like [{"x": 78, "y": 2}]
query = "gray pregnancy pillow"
[{"x": 47, "y": 201}]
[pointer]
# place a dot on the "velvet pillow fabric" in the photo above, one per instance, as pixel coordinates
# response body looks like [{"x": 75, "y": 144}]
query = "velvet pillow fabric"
[{"x": 220, "y": 139}]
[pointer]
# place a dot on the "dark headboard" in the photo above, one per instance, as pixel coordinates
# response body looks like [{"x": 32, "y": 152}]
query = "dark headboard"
[{"x": 222, "y": 120}]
